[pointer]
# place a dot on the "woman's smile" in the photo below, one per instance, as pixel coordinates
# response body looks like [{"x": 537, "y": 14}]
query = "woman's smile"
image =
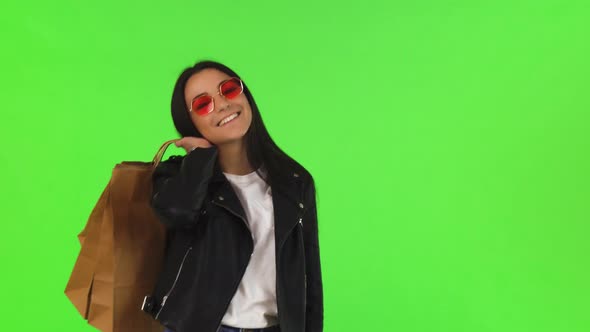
[{"x": 229, "y": 119}]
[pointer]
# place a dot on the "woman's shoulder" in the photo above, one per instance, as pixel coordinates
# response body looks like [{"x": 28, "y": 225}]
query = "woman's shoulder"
[
  {"x": 296, "y": 171},
  {"x": 299, "y": 172},
  {"x": 174, "y": 159},
  {"x": 305, "y": 175},
  {"x": 169, "y": 166},
  {"x": 309, "y": 185}
]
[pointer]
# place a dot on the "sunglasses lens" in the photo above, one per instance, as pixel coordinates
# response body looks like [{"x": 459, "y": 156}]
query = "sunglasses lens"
[
  {"x": 202, "y": 105},
  {"x": 231, "y": 88}
]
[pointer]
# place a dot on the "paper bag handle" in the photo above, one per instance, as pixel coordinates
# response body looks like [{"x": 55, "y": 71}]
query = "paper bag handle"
[{"x": 161, "y": 151}]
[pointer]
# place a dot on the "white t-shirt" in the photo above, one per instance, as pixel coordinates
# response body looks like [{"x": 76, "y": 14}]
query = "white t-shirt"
[{"x": 254, "y": 304}]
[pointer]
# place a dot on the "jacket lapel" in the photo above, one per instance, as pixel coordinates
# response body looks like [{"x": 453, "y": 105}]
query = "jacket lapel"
[{"x": 286, "y": 198}]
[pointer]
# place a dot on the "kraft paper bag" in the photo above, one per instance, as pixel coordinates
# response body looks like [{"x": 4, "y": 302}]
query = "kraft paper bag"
[
  {"x": 80, "y": 283},
  {"x": 122, "y": 252}
]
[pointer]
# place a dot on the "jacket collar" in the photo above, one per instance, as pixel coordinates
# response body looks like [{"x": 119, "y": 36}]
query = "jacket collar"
[
  {"x": 290, "y": 187},
  {"x": 286, "y": 197}
]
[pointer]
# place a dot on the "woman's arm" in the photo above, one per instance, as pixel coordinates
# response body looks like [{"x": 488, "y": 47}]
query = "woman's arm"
[
  {"x": 180, "y": 186},
  {"x": 314, "y": 316}
]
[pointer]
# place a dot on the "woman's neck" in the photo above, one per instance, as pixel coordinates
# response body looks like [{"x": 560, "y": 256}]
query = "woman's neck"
[{"x": 233, "y": 158}]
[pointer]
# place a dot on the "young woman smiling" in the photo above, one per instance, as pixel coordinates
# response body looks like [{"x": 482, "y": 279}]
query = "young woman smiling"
[{"x": 243, "y": 247}]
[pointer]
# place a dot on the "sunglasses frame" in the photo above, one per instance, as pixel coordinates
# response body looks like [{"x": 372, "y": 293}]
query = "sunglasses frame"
[{"x": 219, "y": 93}]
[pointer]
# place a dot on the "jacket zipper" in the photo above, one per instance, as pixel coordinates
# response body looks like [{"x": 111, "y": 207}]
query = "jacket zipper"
[
  {"x": 165, "y": 298},
  {"x": 300, "y": 223},
  {"x": 305, "y": 273},
  {"x": 244, "y": 270}
]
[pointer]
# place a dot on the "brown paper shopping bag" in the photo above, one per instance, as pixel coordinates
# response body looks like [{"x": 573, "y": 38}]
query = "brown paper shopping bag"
[
  {"x": 78, "y": 288},
  {"x": 122, "y": 252}
]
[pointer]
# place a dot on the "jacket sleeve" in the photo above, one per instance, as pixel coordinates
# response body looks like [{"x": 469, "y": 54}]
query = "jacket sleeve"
[
  {"x": 180, "y": 186},
  {"x": 314, "y": 316}
]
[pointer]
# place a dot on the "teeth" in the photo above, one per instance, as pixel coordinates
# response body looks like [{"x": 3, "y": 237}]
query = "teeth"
[{"x": 228, "y": 119}]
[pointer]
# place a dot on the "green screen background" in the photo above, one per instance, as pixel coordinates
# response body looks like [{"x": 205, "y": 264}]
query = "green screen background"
[{"x": 449, "y": 142}]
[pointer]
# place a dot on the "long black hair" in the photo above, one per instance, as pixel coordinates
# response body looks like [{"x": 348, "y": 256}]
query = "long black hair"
[{"x": 261, "y": 150}]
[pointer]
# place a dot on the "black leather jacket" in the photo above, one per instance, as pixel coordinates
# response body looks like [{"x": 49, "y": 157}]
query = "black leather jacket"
[{"x": 209, "y": 246}]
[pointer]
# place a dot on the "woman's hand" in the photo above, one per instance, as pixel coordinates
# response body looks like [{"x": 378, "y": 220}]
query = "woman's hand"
[{"x": 189, "y": 143}]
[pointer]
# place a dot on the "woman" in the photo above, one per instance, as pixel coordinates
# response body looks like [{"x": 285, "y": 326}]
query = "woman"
[{"x": 242, "y": 251}]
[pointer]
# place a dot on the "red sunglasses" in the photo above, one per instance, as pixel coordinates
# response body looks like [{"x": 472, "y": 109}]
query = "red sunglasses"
[{"x": 204, "y": 104}]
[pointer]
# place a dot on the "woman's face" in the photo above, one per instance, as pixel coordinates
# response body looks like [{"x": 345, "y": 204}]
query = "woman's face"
[{"x": 209, "y": 125}]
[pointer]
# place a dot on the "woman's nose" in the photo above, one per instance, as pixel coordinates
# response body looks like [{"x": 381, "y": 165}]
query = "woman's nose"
[{"x": 220, "y": 102}]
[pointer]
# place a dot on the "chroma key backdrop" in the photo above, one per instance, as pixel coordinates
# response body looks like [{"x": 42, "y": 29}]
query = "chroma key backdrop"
[{"x": 449, "y": 140}]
